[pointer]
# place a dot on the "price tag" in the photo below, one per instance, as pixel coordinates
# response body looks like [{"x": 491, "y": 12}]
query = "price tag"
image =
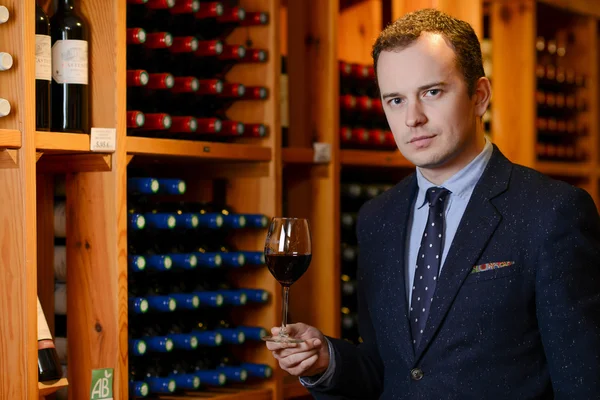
[
  {"x": 322, "y": 152},
  {"x": 103, "y": 140},
  {"x": 102, "y": 384}
]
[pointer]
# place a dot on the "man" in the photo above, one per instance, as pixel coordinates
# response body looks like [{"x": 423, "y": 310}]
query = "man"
[{"x": 477, "y": 278}]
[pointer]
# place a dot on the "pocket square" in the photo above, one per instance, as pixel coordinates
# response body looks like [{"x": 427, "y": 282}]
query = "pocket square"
[{"x": 493, "y": 265}]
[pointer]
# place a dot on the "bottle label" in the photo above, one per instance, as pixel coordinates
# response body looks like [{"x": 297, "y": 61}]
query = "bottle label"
[
  {"x": 70, "y": 61},
  {"x": 43, "y": 332},
  {"x": 43, "y": 57}
]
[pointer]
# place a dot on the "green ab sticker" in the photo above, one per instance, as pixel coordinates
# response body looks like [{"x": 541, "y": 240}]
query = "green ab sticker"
[{"x": 102, "y": 384}]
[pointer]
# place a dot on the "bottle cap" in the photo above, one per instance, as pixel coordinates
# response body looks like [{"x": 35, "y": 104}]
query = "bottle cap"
[
  {"x": 4, "y": 107},
  {"x": 6, "y": 61},
  {"x": 4, "y": 14}
]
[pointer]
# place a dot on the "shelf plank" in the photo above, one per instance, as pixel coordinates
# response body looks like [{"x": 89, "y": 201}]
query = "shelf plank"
[
  {"x": 199, "y": 150},
  {"x": 10, "y": 139},
  {"x": 298, "y": 155},
  {"x": 47, "y": 388},
  {"x": 370, "y": 158},
  {"x": 62, "y": 142},
  {"x": 576, "y": 170},
  {"x": 224, "y": 394},
  {"x": 292, "y": 388}
]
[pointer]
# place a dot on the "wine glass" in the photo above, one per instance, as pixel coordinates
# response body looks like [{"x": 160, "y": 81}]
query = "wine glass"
[{"x": 288, "y": 255}]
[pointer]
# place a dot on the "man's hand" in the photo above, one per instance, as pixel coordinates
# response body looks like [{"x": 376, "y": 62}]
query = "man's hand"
[{"x": 301, "y": 359}]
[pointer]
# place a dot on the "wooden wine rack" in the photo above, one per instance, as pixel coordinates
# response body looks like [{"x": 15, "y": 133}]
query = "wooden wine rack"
[{"x": 314, "y": 34}]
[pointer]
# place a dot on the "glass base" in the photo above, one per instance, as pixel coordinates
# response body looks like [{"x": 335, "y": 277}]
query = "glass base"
[{"x": 282, "y": 339}]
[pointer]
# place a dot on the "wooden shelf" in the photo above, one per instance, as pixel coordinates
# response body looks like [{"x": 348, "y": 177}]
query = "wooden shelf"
[
  {"x": 46, "y": 388},
  {"x": 368, "y": 158},
  {"x": 577, "y": 170},
  {"x": 225, "y": 394},
  {"x": 292, "y": 388},
  {"x": 298, "y": 155},
  {"x": 198, "y": 150},
  {"x": 577, "y": 6},
  {"x": 62, "y": 142},
  {"x": 10, "y": 139}
]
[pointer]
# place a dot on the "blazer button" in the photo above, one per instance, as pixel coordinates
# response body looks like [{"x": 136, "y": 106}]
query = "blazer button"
[{"x": 416, "y": 374}]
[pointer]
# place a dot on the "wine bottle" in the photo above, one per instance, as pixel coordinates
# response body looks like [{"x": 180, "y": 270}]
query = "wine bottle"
[
  {"x": 157, "y": 302},
  {"x": 155, "y": 342},
  {"x": 208, "y": 377},
  {"x": 4, "y": 107},
  {"x": 209, "y": 361},
  {"x": 222, "y": 25},
  {"x": 4, "y": 15},
  {"x": 233, "y": 259},
  {"x": 60, "y": 260},
  {"x": 183, "y": 379},
  {"x": 172, "y": 186},
  {"x": 138, "y": 305},
  {"x": 70, "y": 94},
  {"x": 142, "y": 186},
  {"x": 61, "y": 346},
  {"x": 137, "y": 347},
  {"x": 60, "y": 298},
  {"x": 206, "y": 337},
  {"x": 284, "y": 106},
  {"x": 138, "y": 389},
  {"x": 157, "y": 381},
  {"x": 182, "y": 340},
  {"x": 255, "y": 18},
  {"x": 255, "y": 370},
  {"x": 208, "y": 297},
  {"x": 48, "y": 363}
]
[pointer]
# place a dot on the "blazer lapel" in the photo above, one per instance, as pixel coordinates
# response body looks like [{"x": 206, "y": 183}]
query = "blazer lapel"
[
  {"x": 476, "y": 227},
  {"x": 394, "y": 261}
]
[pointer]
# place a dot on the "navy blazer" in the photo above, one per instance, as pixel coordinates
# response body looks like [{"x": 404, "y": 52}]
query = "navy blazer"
[{"x": 530, "y": 330}]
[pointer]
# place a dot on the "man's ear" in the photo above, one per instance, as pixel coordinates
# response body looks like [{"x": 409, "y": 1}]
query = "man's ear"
[{"x": 482, "y": 95}]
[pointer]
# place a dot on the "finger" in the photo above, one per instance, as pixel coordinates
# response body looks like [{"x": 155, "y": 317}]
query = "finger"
[
  {"x": 300, "y": 348},
  {"x": 304, "y": 366},
  {"x": 275, "y": 346},
  {"x": 296, "y": 359}
]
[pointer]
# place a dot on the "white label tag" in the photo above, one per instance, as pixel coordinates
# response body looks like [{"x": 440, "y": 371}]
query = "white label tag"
[
  {"x": 70, "y": 61},
  {"x": 322, "y": 152},
  {"x": 103, "y": 140},
  {"x": 43, "y": 58}
]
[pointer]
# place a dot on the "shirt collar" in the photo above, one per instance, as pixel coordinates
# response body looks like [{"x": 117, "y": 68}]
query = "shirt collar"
[{"x": 463, "y": 182}]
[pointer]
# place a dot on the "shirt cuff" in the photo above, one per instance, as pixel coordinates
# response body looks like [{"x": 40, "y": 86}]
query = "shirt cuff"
[{"x": 325, "y": 378}]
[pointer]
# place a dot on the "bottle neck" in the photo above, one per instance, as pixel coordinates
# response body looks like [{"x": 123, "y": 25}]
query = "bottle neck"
[{"x": 66, "y": 4}]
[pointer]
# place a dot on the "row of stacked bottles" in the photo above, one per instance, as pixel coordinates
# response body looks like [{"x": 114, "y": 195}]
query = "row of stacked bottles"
[
  {"x": 363, "y": 124},
  {"x": 178, "y": 58},
  {"x": 182, "y": 336},
  {"x": 561, "y": 99},
  {"x": 353, "y": 196}
]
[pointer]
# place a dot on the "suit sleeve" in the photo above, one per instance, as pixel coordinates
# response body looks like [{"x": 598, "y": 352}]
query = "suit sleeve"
[
  {"x": 568, "y": 297},
  {"x": 358, "y": 370}
]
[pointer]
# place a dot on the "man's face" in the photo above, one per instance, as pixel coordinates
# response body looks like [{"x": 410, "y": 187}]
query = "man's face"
[{"x": 426, "y": 103}]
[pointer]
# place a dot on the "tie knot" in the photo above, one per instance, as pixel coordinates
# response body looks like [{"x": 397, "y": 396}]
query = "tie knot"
[{"x": 436, "y": 195}]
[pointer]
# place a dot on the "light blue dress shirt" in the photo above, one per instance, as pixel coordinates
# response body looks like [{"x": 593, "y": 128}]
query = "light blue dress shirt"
[{"x": 461, "y": 186}]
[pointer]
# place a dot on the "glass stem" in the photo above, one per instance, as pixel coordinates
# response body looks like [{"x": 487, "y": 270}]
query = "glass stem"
[{"x": 286, "y": 294}]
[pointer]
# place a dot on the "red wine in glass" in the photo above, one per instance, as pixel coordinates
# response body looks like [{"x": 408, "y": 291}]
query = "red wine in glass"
[{"x": 288, "y": 255}]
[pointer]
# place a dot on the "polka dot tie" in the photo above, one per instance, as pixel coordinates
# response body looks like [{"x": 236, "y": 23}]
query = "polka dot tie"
[{"x": 428, "y": 263}]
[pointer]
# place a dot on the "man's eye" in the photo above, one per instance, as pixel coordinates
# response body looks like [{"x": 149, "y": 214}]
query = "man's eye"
[
  {"x": 396, "y": 101},
  {"x": 433, "y": 92}
]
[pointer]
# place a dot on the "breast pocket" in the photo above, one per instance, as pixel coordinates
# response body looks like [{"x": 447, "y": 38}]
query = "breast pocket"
[{"x": 494, "y": 273}]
